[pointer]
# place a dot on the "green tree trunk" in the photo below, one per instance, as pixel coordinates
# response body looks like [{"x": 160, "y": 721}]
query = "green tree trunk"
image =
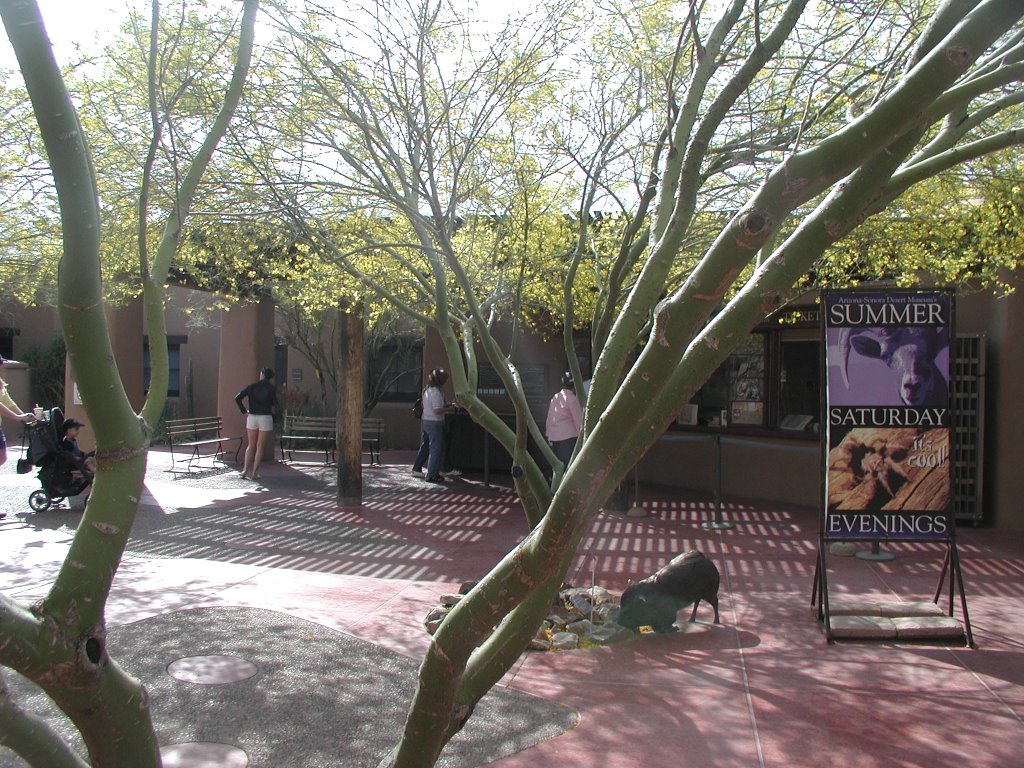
[
  {"x": 483, "y": 635},
  {"x": 60, "y": 643}
]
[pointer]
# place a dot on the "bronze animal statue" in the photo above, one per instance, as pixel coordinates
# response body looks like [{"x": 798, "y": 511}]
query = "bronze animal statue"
[{"x": 655, "y": 601}]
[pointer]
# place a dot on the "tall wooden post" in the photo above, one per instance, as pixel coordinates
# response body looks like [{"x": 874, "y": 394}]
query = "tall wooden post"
[{"x": 350, "y": 404}]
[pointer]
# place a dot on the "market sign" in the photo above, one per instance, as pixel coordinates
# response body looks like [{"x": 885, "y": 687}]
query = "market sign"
[{"x": 888, "y": 468}]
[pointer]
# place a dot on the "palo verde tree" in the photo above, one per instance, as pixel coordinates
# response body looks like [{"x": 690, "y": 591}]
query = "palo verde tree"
[
  {"x": 60, "y": 642},
  {"x": 423, "y": 152},
  {"x": 927, "y": 112},
  {"x": 772, "y": 129}
]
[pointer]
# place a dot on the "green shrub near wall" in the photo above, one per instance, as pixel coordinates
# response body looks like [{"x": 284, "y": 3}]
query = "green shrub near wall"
[{"x": 46, "y": 373}]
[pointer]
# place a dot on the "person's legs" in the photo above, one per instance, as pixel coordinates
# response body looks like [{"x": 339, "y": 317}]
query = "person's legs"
[
  {"x": 261, "y": 443},
  {"x": 421, "y": 455},
  {"x": 435, "y": 430},
  {"x": 563, "y": 449},
  {"x": 252, "y": 438}
]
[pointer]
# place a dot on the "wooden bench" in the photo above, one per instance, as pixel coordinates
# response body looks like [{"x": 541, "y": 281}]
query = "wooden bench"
[
  {"x": 319, "y": 433},
  {"x": 202, "y": 438},
  {"x": 373, "y": 437},
  {"x": 309, "y": 434}
]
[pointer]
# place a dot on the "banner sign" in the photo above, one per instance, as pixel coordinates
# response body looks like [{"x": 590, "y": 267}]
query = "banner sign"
[{"x": 888, "y": 468}]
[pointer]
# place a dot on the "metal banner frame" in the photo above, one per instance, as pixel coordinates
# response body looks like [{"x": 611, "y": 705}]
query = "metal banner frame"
[{"x": 887, "y": 427}]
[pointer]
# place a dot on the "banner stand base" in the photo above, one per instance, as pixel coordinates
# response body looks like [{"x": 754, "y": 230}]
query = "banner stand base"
[
  {"x": 871, "y": 554},
  {"x": 867, "y": 618}
]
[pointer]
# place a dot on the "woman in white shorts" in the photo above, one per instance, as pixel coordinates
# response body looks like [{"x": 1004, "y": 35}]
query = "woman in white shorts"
[{"x": 259, "y": 424}]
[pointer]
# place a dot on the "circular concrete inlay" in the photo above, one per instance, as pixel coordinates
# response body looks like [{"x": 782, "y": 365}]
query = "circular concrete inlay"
[
  {"x": 203, "y": 754},
  {"x": 211, "y": 670}
]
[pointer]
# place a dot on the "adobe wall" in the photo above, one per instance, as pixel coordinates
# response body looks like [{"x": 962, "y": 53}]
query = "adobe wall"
[
  {"x": 30, "y": 327},
  {"x": 784, "y": 471},
  {"x": 246, "y": 346},
  {"x": 1002, "y": 321}
]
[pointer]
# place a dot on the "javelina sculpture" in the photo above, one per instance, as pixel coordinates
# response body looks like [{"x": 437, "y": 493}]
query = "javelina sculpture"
[{"x": 655, "y": 601}]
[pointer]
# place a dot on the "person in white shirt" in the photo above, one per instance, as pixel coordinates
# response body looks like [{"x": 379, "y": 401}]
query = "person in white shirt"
[{"x": 432, "y": 445}]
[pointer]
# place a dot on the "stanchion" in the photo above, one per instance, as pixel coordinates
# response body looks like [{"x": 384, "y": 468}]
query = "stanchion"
[
  {"x": 636, "y": 510},
  {"x": 487, "y": 459},
  {"x": 718, "y": 523},
  {"x": 875, "y": 553}
]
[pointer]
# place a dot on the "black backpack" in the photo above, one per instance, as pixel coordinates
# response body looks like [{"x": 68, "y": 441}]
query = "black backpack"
[{"x": 417, "y": 408}]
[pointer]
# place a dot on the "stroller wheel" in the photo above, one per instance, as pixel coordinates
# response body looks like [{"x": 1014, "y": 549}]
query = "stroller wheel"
[{"x": 39, "y": 501}]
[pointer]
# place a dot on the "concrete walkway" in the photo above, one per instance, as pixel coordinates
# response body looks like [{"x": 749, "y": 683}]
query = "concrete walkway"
[{"x": 763, "y": 688}]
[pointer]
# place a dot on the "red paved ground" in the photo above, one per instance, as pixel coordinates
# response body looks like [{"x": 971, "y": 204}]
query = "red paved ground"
[{"x": 763, "y": 688}]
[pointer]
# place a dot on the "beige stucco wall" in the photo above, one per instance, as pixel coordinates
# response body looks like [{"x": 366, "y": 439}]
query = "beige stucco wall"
[
  {"x": 31, "y": 326},
  {"x": 246, "y": 346},
  {"x": 401, "y": 428},
  {"x": 1002, "y": 322},
  {"x": 785, "y": 471}
]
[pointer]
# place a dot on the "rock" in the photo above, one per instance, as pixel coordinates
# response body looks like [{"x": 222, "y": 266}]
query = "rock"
[
  {"x": 580, "y": 617},
  {"x": 596, "y": 594},
  {"x": 581, "y": 604},
  {"x": 561, "y": 619},
  {"x": 581, "y": 627},
  {"x": 466, "y": 586},
  {"x": 435, "y": 614},
  {"x": 606, "y": 612},
  {"x": 610, "y": 634},
  {"x": 565, "y": 641},
  {"x": 843, "y": 548}
]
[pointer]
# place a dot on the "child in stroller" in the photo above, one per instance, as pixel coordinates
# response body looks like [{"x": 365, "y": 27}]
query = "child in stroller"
[{"x": 63, "y": 471}]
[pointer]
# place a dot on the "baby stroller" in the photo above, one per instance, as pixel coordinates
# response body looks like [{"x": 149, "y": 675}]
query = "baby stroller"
[{"x": 61, "y": 473}]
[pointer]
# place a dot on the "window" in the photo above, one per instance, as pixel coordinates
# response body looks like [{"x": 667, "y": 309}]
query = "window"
[
  {"x": 746, "y": 382},
  {"x": 735, "y": 392},
  {"x": 7, "y": 341},
  {"x": 173, "y": 364},
  {"x": 771, "y": 381},
  {"x": 799, "y": 383},
  {"x": 396, "y": 369}
]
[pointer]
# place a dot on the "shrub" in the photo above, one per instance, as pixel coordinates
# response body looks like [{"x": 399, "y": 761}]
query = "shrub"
[{"x": 46, "y": 372}]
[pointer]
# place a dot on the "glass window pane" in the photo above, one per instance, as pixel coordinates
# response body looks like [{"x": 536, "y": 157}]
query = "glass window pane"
[
  {"x": 799, "y": 376},
  {"x": 747, "y": 381},
  {"x": 173, "y": 365},
  {"x": 736, "y": 388},
  {"x": 395, "y": 369}
]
